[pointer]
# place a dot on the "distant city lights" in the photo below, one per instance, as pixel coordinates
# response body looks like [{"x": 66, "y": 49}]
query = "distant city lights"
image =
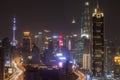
[
  {"x": 60, "y": 64},
  {"x": 60, "y": 36},
  {"x": 62, "y": 58},
  {"x": 75, "y": 35},
  {"x": 55, "y": 37},
  {"x": 59, "y": 54},
  {"x": 60, "y": 43},
  {"x": 85, "y": 35}
]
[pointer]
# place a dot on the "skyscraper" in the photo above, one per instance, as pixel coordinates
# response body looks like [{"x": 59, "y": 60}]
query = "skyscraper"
[
  {"x": 86, "y": 29},
  {"x": 98, "y": 43},
  {"x": 86, "y": 20},
  {"x": 6, "y": 55},
  {"x": 26, "y": 47}
]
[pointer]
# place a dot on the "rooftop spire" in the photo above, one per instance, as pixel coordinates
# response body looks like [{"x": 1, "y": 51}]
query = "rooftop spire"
[
  {"x": 97, "y": 4},
  {"x": 97, "y": 9},
  {"x": 73, "y": 21}
]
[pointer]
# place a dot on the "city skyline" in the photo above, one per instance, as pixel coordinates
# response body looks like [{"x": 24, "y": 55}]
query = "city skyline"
[{"x": 55, "y": 15}]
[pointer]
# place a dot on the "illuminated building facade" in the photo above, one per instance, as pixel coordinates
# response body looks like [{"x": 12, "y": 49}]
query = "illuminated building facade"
[
  {"x": 39, "y": 41},
  {"x": 86, "y": 63},
  {"x": 98, "y": 43},
  {"x": 26, "y": 46},
  {"x": 86, "y": 29},
  {"x": 14, "y": 32},
  {"x": 109, "y": 55},
  {"x": 74, "y": 45},
  {"x": 116, "y": 66},
  {"x": 79, "y": 50},
  {"x": 86, "y": 21}
]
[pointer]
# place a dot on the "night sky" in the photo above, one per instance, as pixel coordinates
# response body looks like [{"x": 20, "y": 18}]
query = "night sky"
[{"x": 55, "y": 15}]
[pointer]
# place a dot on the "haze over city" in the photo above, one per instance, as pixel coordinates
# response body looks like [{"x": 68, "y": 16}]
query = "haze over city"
[
  {"x": 59, "y": 40},
  {"x": 55, "y": 15}
]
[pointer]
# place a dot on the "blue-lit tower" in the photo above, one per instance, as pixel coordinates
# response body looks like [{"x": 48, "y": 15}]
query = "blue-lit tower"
[{"x": 14, "y": 30}]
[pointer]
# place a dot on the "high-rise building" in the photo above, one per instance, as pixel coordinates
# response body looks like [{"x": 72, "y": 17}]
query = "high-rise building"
[
  {"x": 98, "y": 43},
  {"x": 26, "y": 46},
  {"x": 86, "y": 20},
  {"x": 109, "y": 55},
  {"x": 86, "y": 63},
  {"x": 86, "y": 29},
  {"x": 39, "y": 40},
  {"x": 6, "y": 56}
]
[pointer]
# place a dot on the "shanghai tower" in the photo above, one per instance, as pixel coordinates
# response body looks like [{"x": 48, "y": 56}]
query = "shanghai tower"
[{"x": 86, "y": 20}]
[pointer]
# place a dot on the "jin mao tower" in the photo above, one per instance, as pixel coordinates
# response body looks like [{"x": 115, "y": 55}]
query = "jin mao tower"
[{"x": 98, "y": 43}]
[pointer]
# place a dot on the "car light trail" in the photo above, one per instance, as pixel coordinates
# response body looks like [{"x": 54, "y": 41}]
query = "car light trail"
[
  {"x": 18, "y": 70},
  {"x": 80, "y": 75}
]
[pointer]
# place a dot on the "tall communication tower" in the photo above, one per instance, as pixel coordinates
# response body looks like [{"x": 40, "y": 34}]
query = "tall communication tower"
[{"x": 14, "y": 30}]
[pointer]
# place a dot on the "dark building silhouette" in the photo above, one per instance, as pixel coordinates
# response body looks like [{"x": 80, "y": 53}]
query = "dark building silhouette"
[
  {"x": 35, "y": 54},
  {"x": 98, "y": 43},
  {"x": 1, "y": 62},
  {"x": 26, "y": 47},
  {"x": 5, "y": 57}
]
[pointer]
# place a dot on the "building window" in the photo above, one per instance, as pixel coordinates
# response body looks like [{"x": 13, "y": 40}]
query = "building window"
[
  {"x": 98, "y": 23},
  {"x": 98, "y": 44},
  {"x": 97, "y": 37},
  {"x": 98, "y": 31}
]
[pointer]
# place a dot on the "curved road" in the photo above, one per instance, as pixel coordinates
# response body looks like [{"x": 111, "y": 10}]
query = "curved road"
[
  {"x": 19, "y": 69},
  {"x": 80, "y": 75}
]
